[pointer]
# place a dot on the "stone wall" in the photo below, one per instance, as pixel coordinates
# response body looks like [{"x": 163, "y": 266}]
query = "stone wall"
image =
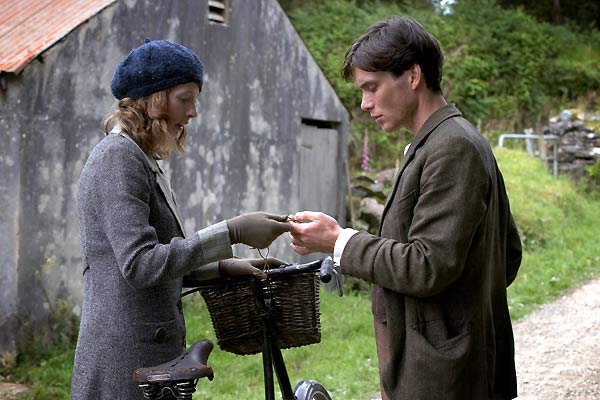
[
  {"x": 262, "y": 89},
  {"x": 578, "y": 145}
]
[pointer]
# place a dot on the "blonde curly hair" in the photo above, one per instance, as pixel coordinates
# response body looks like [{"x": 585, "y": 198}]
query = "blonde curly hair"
[{"x": 145, "y": 121}]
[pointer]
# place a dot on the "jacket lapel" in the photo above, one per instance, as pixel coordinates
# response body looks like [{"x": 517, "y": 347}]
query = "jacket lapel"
[
  {"x": 161, "y": 179},
  {"x": 439, "y": 116},
  {"x": 165, "y": 186}
]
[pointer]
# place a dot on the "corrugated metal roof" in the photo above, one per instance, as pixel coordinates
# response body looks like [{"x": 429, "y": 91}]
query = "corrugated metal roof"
[{"x": 28, "y": 27}]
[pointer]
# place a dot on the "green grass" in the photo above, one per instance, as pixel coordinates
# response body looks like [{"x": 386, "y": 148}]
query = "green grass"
[
  {"x": 48, "y": 370},
  {"x": 345, "y": 360},
  {"x": 559, "y": 227}
]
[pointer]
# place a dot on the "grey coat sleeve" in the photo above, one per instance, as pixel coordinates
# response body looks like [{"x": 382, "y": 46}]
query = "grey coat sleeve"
[{"x": 121, "y": 190}]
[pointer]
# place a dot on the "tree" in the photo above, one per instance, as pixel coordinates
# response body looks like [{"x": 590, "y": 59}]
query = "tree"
[{"x": 585, "y": 13}]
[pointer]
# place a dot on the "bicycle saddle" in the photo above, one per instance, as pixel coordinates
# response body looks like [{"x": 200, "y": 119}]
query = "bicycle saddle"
[{"x": 190, "y": 365}]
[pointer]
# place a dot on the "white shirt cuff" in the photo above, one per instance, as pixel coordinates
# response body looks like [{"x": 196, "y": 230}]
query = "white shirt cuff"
[{"x": 340, "y": 244}]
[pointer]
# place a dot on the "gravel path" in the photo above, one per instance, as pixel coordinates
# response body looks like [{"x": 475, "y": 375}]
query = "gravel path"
[{"x": 558, "y": 348}]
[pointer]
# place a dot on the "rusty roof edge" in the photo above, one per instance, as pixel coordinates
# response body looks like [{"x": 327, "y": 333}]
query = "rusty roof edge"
[{"x": 16, "y": 67}]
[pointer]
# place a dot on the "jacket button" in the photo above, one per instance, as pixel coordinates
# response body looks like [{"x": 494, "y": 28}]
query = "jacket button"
[{"x": 160, "y": 335}]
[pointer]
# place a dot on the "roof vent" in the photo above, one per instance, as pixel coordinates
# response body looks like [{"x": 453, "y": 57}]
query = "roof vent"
[{"x": 217, "y": 11}]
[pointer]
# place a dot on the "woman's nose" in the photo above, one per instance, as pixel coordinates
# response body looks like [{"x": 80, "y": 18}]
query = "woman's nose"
[{"x": 192, "y": 113}]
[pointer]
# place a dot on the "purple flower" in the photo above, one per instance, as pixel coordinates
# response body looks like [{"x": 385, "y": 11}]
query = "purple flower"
[{"x": 365, "y": 160}]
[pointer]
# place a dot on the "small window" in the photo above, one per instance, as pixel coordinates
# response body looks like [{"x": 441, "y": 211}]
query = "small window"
[{"x": 217, "y": 11}]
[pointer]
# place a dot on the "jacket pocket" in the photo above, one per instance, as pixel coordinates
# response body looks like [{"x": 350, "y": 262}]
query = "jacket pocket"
[
  {"x": 443, "y": 334},
  {"x": 439, "y": 350}
]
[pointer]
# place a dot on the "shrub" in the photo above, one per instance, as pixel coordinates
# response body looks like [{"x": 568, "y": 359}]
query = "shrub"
[{"x": 503, "y": 69}]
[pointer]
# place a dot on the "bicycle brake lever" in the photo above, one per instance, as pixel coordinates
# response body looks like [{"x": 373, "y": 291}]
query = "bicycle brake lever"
[
  {"x": 328, "y": 268},
  {"x": 338, "y": 280}
]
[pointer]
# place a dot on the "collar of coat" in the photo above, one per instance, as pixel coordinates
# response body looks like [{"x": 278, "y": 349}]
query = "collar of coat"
[
  {"x": 161, "y": 178},
  {"x": 434, "y": 120}
]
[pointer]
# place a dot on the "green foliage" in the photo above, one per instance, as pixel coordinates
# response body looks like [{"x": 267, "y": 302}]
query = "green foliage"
[
  {"x": 502, "y": 65},
  {"x": 384, "y": 151},
  {"x": 63, "y": 325},
  {"x": 540, "y": 203},
  {"x": 593, "y": 181},
  {"x": 345, "y": 22},
  {"x": 558, "y": 227},
  {"x": 48, "y": 369},
  {"x": 505, "y": 70},
  {"x": 575, "y": 72},
  {"x": 583, "y": 12}
]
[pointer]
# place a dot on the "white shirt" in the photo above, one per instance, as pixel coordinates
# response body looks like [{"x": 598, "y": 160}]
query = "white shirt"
[
  {"x": 340, "y": 244},
  {"x": 346, "y": 234}
]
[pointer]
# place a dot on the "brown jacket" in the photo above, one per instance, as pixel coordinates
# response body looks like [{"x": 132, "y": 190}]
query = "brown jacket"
[{"x": 448, "y": 248}]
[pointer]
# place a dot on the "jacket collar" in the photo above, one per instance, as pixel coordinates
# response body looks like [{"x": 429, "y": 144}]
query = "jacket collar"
[
  {"x": 434, "y": 120},
  {"x": 440, "y": 115},
  {"x": 161, "y": 178}
]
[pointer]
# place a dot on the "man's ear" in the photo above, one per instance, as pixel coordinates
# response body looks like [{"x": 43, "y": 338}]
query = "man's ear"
[{"x": 415, "y": 76}]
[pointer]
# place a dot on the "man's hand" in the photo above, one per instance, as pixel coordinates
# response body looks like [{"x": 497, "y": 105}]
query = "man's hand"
[
  {"x": 313, "y": 232},
  {"x": 257, "y": 229},
  {"x": 247, "y": 266}
]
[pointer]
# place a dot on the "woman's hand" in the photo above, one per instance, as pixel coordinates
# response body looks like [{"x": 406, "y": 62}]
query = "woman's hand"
[
  {"x": 257, "y": 229},
  {"x": 248, "y": 266}
]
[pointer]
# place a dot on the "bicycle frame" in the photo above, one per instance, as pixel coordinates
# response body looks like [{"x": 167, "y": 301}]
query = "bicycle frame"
[{"x": 271, "y": 352}]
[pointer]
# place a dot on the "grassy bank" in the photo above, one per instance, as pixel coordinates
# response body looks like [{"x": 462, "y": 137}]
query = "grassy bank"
[{"x": 558, "y": 226}]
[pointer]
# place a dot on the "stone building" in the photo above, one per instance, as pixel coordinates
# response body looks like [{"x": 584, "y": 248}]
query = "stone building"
[{"x": 271, "y": 132}]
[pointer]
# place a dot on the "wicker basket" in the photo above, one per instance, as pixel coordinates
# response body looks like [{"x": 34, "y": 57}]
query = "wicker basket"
[{"x": 234, "y": 313}]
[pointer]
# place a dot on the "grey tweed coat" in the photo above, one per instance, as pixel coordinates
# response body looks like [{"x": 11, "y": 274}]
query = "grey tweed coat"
[{"x": 134, "y": 256}]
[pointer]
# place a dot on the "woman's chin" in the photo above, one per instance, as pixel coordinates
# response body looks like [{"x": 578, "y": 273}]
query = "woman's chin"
[{"x": 176, "y": 130}]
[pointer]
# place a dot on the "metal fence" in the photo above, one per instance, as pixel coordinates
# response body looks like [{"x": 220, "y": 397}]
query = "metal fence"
[{"x": 540, "y": 151}]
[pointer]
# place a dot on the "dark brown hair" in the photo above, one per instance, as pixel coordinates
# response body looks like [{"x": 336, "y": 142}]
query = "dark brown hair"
[{"x": 395, "y": 45}]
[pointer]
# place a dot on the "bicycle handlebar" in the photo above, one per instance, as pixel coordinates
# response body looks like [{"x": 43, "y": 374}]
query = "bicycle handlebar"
[
  {"x": 294, "y": 269},
  {"x": 327, "y": 271}
]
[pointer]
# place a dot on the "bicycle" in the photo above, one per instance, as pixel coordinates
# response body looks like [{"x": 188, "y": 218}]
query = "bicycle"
[{"x": 178, "y": 378}]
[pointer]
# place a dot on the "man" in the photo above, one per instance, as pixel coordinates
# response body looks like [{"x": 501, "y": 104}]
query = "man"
[{"x": 447, "y": 246}]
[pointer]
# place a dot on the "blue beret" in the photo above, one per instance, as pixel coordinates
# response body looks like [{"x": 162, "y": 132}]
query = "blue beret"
[{"x": 154, "y": 66}]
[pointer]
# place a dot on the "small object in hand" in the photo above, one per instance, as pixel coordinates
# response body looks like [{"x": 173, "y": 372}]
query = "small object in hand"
[
  {"x": 266, "y": 266},
  {"x": 292, "y": 218}
]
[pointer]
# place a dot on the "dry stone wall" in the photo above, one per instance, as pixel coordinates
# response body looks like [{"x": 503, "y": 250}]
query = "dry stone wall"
[{"x": 578, "y": 145}]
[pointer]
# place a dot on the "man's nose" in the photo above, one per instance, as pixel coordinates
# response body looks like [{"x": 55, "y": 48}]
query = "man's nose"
[{"x": 366, "y": 103}]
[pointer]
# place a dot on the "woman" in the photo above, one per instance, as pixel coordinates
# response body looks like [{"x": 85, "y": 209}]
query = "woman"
[{"x": 134, "y": 248}]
